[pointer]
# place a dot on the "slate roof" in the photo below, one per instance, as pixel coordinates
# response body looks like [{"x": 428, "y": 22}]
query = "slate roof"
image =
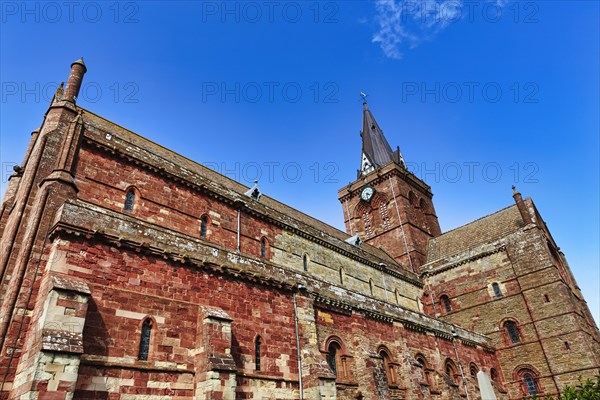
[
  {"x": 374, "y": 144},
  {"x": 481, "y": 231}
]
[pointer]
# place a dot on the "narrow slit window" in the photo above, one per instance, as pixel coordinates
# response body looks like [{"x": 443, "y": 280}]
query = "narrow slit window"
[
  {"x": 263, "y": 248},
  {"x": 446, "y": 302},
  {"x": 305, "y": 262},
  {"x": 497, "y": 290},
  {"x": 145, "y": 339},
  {"x": 371, "y": 286},
  {"x": 129, "y": 200},
  {"x": 567, "y": 346},
  {"x": 546, "y": 299},
  {"x": 257, "y": 354},
  {"x": 203, "y": 226},
  {"x": 341, "y": 276}
]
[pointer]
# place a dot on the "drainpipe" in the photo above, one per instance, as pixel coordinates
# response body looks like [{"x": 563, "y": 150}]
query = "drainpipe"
[
  {"x": 299, "y": 287},
  {"x": 454, "y": 336}
]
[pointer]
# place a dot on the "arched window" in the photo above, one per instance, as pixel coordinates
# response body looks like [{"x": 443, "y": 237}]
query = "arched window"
[
  {"x": 305, "y": 262},
  {"x": 263, "y": 247},
  {"x": 145, "y": 339},
  {"x": 473, "y": 369},
  {"x": 530, "y": 383},
  {"x": 385, "y": 218},
  {"x": 203, "y": 226},
  {"x": 512, "y": 331},
  {"x": 390, "y": 371},
  {"x": 367, "y": 223},
  {"x": 451, "y": 370},
  {"x": 546, "y": 299},
  {"x": 422, "y": 204},
  {"x": 494, "y": 375},
  {"x": 422, "y": 361},
  {"x": 257, "y": 344},
  {"x": 567, "y": 346},
  {"x": 445, "y": 300},
  {"x": 496, "y": 288},
  {"x": 129, "y": 200},
  {"x": 333, "y": 353},
  {"x": 412, "y": 199}
]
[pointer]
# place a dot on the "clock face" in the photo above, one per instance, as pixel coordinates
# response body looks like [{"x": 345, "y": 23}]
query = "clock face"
[{"x": 367, "y": 193}]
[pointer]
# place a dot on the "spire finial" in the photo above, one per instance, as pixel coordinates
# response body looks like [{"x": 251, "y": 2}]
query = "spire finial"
[{"x": 364, "y": 96}]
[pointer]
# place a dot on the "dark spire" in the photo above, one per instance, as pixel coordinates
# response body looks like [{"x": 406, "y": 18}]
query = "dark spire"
[{"x": 376, "y": 151}]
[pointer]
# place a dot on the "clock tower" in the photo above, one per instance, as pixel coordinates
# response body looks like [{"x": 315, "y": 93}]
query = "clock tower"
[{"x": 387, "y": 206}]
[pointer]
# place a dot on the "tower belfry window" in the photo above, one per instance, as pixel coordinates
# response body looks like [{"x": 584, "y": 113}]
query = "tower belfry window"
[
  {"x": 385, "y": 218},
  {"x": 367, "y": 223}
]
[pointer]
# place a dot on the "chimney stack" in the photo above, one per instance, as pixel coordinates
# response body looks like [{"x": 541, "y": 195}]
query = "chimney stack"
[
  {"x": 78, "y": 69},
  {"x": 521, "y": 206}
]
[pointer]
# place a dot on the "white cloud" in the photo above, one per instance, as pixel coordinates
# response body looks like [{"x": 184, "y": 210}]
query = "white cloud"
[{"x": 405, "y": 24}]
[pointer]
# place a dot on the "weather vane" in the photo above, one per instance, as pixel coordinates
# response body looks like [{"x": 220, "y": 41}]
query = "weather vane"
[{"x": 363, "y": 96}]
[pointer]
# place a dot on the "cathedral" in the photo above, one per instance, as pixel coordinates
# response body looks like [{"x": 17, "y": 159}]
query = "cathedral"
[{"x": 130, "y": 272}]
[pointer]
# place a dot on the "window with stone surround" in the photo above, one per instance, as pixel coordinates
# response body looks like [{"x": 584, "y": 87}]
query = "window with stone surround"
[
  {"x": 451, "y": 370},
  {"x": 512, "y": 331},
  {"x": 129, "y": 200},
  {"x": 445, "y": 301},
  {"x": 333, "y": 353},
  {"x": 367, "y": 223},
  {"x": 145, "y": 339},
  {"x": 529, "y": 380},
  {"x": 389, "y": 368},
  {"x": 494, "y": 375},
  {"x": 412, "y": 199},
  {"x": 263, "y": 247},
  {"x": 422, "y": 361},
  {"x": 385, "y": 218},
  {"x": 496, "y": 289},
  {"x": 257, "y": 344},
  {"x": 473, "y": 369},
  {"x": 203, "y": 225}
]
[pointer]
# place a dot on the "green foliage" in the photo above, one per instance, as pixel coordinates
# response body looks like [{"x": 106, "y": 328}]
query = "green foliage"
[{"x": 588, "y": 390}]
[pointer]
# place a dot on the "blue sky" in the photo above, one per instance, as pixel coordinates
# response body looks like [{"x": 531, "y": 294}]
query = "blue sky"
[{"x": 479, "y": 95}]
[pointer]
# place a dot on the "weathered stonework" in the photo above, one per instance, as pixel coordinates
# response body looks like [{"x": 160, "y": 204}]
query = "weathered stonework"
[{"x": 191, "y": 289}]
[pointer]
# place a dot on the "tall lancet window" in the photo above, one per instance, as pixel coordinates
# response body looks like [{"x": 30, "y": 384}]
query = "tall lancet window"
[
  {"x": 385, "y": 218},
  {"x": 367, "y": 223},
  {"x": 129, "y": 200},
  {"x": 257, "y": 344},
  {"x": 203, "y": 225},
  {"x": 145, "y": 339}
]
